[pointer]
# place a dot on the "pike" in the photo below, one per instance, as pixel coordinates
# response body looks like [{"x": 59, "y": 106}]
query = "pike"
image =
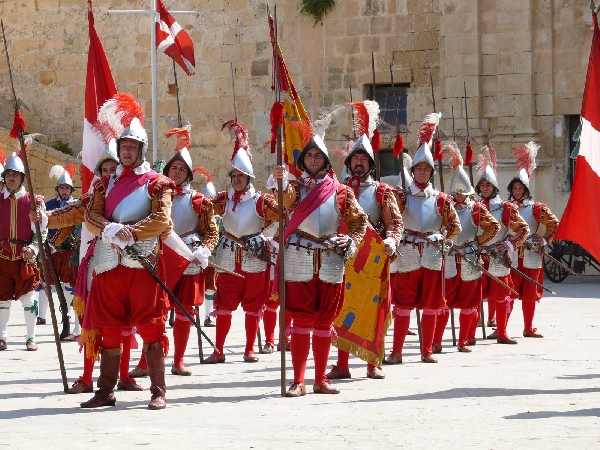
[
  {"x": 281, "y": 258},
  {"x": 401, "y": 159},
  {"x": 468, "y": 136},
  {"x": 501, "y": 259},
  {"x": 151, "y": 269},
  {"x": 63, "y": 307},
  {"x": 540, "y": 251},
  {"x": 377, "y": 158},
  {"x": 38, "y": 233}
]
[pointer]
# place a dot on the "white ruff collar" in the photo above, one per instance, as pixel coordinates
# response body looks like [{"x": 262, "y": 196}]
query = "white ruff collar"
[
  {"x": 20, "y": 193},
  {"x": 247, "y": 195}
]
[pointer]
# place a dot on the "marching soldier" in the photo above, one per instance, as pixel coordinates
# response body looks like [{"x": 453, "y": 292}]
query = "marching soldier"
[
  {"x": 429, "y": 220},
  {"x": 315, "y": 257},
  {"x": 513, "y": 232},
  {"x": 379, "y": 203},
  {"x": 463, "y": 281},
  {"x": 542, "y": 226}
]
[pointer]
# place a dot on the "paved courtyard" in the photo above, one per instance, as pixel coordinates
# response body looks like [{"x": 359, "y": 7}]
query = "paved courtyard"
[{"x": 541, "y": 393}]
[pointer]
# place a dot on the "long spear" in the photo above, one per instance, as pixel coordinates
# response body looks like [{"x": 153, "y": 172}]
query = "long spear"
[
  {"x": 38, "y": 232},
  {"x": 398, "y": 136},
  {"x": 374, "y": 98},
  {"x": 280, "y": 211}
]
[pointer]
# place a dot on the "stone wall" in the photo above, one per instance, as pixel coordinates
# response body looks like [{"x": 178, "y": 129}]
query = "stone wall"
[{"x": 523, "y": 63}]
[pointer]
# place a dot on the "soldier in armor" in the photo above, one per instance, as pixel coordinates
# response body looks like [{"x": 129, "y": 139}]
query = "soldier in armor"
[
  {"x": 379, "y": 203},
  {"x": 194, "y": 222},
  {"x": 542, "y": 226},
  {"x": 463, "y": 281},
  {"x": 130, "y": 213},
  {"x": 315, "y": 257},
  {"x": 429, "y": 220},
  {"x": 513, "y": 232},
  {"x": 245, "y": 214},
  {"x": 61, "y": 257},
  {"x": 19, "y": 276}
]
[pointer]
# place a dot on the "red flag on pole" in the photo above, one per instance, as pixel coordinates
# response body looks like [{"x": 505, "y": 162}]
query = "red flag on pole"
[
  {"x": 580, "y": 222},
  {"x": 171, "y": 39},
  {"x": 100, "y": 86}
]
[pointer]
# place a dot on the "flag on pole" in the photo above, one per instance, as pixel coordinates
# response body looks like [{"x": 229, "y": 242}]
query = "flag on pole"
[
  {"x": 173, "y": 41},
  {"x": 293, "y": 110},
  {"x": 100, "y": 86},
  {"x": 580, "y": 222}
]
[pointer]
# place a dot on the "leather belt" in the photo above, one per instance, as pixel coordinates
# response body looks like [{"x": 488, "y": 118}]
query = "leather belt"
[{"x": 15, "y": 241}]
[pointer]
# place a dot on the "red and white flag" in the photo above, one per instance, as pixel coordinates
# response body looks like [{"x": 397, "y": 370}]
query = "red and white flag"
[
  {"x": 100, "y": 86},
  {"x": 580, "y": 222},
  {"x": 171, "y": 39}
]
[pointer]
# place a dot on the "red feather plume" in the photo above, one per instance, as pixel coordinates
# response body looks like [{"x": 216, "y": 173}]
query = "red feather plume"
[
  {"x": 437, "y": 152},
  {"x": 71, "y": 169},
  {"x": 493, "y": 157},
  {"x": 240, "y": 134},
  {"x": 427, "y": 128},
  {"x": 305, "y": 129},
  {"x": 183, "y": 138},
  {"x": 128, "y": 108},
  {"x": 454, "y": 157},
  {"x": 204, "y": 172},
  {"x": 376, "y": 141},
  {"x": 398, "y": 145},
  {"x": 361, "y": 118},
  {"x": 2, "y": 157},
  {"x": 469, "y": 155},
  {"x": 525, "y": 156}
]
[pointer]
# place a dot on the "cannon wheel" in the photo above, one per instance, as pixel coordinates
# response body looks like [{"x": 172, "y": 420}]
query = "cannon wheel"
[{"x": 552, "y": 270}]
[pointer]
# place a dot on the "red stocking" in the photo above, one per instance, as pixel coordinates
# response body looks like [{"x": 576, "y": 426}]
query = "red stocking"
[
  {"x": 269, "y": 322},
  {"x": 491, "y": 309},
  {"x": 251, "y": 330},
  {"x": 300, "y": 348},
  {"x": 222, "y": 329},
  {"x": 473, "y": 327},
  {"x": 143, "y": 364},
  {"x": 401, "y": 324},
  {"x": 427, "y": 330},
  {"x": 465, "y": 327},
  {"x": 528, "y": 313},
  {"x": 181, "y": 335},
  {"x": 88, "y": 368},
  {"x": 440, "y": 327},
  {"x": 501, "y": 319},
  {"x": 320, "y": 346},
  {"x": 343, "y": 358}
]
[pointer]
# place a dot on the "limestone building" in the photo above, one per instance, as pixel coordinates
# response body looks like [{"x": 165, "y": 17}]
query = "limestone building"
[{"x": 523, "y": 64}]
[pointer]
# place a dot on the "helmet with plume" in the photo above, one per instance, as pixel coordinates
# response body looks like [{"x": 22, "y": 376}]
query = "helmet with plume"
[
  {"x": 459, "y": 183},
  {"x": 182, "y": 150},
  {"x": 241, "y": 159},
  {"x": 486, "y": 166},
  {"x": 63, "y": 175},
  {"x": 425, "y": 132}
]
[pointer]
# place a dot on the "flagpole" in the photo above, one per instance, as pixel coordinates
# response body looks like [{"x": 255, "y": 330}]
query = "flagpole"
[{"x": 154, "y": 78}]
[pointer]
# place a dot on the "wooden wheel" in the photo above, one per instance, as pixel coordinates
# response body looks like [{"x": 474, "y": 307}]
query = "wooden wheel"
[{"x": 560, "y": 251}]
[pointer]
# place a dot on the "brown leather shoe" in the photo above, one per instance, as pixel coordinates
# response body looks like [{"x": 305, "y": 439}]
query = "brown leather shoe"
[
  {"x": 506, "y": 340},
  {"x": 3, "y": 345},
  {"x": 494, "y": 335},
  {"x": 338, "y": 373},
  {"x": 156, "y": 371},
  {"x": 209, "y": 323},
  {"x": 532, "y": 333},
  {"x": 81, "y": 387},
  {"x": 394, "y": 358},
  {"x": 436, "y": 348},
  {"x": 31, "y": 345},
  {"x": 428, "y": 358},
  {"x": 138, "y": 372},
  {"x": 40, "y": 321},
  {"x": 215, "y": 359},
  {"x": 325, "y": 387},
  {"x": 249, "y": 358},
  {"x": 158, "y": 402},
  {"x": 472, "y": 342},
  {"x": 98, "y": 402},
  {"x": 464, "y": 349},
  {"x": 411, "y": 333},
  {"x": 492, "y": 323},
  {"x": 181, "y": 370},
  {"x": 129, "y": 385},
  {"x": 70, "y": 338},
  {"x": 375, "y": 372},
  {"x": 268, "y": 348},
  {"x": 296, "y": 390}
]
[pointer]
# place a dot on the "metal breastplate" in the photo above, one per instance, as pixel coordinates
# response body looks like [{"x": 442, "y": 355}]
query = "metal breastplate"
[
  {"x": 105, "y": 258},
  {"x": 324, "y": 220},
  {"x": 244, "y": 221},
  {"x": 133, "y": 208},
  {"x": 185, "y": 219},
  {"x": 497, "y": 214},
  {"x": 469, "y": 230},
  {"x": 367, "y": 199},
  {"x": 531, "y": 260},
  {"x": 421, "y": 214},
  {"x": 526, "y": 212}
]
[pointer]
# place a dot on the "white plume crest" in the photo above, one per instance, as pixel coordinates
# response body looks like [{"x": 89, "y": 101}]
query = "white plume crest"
[
  {"x": 56, "y": 172},
  {"x": 322, "y": 123}
]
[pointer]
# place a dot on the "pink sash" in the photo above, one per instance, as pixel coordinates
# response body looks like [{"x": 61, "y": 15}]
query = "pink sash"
[
  {"x": 311, "y": 202},
  {"x": 122, "y": 189}
]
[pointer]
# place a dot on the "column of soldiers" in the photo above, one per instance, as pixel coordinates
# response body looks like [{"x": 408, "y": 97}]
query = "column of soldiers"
[{"x": 438, "y": 243}]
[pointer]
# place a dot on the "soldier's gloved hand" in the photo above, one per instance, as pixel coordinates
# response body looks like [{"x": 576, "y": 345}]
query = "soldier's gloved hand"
[
  {"x": 435, "y": 237},
  {"x": 537, "y": 240},
  {"x": 341, "y": 241},
  {"x": 28, "y": 253},
  {"x": 278, "y": 172},
  {"x": 501, "y": 247},
  {"x": 202, "y": 255},
  {"x": 390, "y": 246}
]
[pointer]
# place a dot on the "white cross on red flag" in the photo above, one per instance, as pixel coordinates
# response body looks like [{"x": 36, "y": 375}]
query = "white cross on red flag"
[{"x": 173, "y": 41}]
